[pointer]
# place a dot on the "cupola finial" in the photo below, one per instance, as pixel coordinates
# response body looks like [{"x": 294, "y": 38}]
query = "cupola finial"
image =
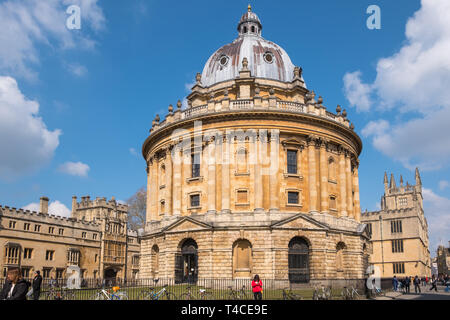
[{"x": 249, "y": 7}]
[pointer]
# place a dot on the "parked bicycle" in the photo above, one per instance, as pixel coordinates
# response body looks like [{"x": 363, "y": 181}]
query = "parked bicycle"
[
  {"x": 202, "y": 295},
  {"x": 104, "y": 294},
  {"x": 55, "y": 293},
  {"x": 163, "y": 294},
  {"x": 350, "y": 294},
  {"x": 289, "y": 295},
  {"x": 322, "y": 294},
  {"x": 237, "y": 294}
]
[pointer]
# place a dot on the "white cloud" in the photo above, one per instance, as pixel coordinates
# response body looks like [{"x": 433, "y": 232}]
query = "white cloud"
[
  {"x": 357, "y": 93},
  {"x": 416, "y": 78},
  {"x": 25, "y": 141},
  {"x": 133, "y": 151},
  {"x": 443, "y": 184},
  {"x": 55, "y": 208},
  {"x": 25, "y": 24},
  {"x": 74, "y": 168},
  {"x": 77, "y": 69},
  {"x": 438, "y": 217}
]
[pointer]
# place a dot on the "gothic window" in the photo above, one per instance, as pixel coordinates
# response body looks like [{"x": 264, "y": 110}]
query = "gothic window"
[
  {"x": 331, "y": 169},
  {"x": 242, "y": 256},
  {"x": 333, "y": 203},
  {"x": 403, "y": 202},
  {"x": 369, "y": 229},
  {"x": 292, "y": 161}
]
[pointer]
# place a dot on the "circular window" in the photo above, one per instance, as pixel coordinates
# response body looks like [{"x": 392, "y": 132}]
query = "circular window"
[
  {"x": 223, "y": 60},
  {"x": 268, "y": 57}
]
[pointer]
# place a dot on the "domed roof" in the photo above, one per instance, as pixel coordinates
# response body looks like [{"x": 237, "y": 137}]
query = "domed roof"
[{"x": 265, "y": 58}]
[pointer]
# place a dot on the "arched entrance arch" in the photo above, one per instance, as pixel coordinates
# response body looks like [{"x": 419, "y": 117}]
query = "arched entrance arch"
[
  {"x": 242, "y": 259},
  {"x": 110, "y": 275},
  {"x": 186, "y": 262},
  {"x": 298, "y": 260}
]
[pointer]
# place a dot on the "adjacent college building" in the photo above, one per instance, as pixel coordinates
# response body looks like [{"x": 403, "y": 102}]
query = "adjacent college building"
[
  {"x": 399, "y": 231},
  {"x": 94, "y": 238}
]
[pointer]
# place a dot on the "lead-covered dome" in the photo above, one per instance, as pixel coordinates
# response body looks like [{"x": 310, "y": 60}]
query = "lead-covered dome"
[{"x": 265, "y": 58}]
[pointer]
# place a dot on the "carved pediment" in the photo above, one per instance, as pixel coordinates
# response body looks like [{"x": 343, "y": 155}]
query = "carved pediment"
[
  {"x": 300, "y": 221},
  {"x": 187, "y": 224}
]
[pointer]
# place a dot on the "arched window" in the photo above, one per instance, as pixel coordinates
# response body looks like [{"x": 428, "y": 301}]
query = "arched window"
[
  {"x": 162, "y": 175},
  {"x": 331, "y": 169},
  {"x": 253, "y": 29},
  {"x": 245, "y": 29},
  {"x": 340, "y": 261},
  {"x": 242, "y": 259},
  {"x": 155, "y": 261},
  {"x": 242, "y": 161}
]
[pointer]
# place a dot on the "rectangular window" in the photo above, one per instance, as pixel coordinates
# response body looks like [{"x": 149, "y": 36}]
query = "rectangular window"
[
  {"x": 369, "y": 229},
  {"x": 292, "y": 161},
  {"x": 37, "y": 228},
  {"x": 46, "y": 272},
  {"x": 61, "y": 231},
  {"x": 26, "y": 226},
  {"x": 49, "y": 254},
  {"x": 397, "y": 246},
  {"x": 195, "y": 200},
  {"x": 403, "y": 202},
  {"x": 396, "y": 226},
  {"x": 59, "y": 273},
  {"x": 83, "y": 235},
  {"x": 293, "y": 197},
  {"x": 399, "y": 268},
  {"x": 51, "y": 230},
  {"x": 27, "y": 252},
  {"x": 12, "y": 224},
  {"x": 195, "y": 158},
  {"x": 242, "y": 196},
  {"x": 25, "y": 272},
  {"x": 94, "y": 236}
]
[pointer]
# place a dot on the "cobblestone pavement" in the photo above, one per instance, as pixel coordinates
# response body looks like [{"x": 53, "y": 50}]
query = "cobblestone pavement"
[{"x": 426, "y": 294}]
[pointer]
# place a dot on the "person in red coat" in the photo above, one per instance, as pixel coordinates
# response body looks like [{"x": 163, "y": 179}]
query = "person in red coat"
[{"x": 257, "y": 287}]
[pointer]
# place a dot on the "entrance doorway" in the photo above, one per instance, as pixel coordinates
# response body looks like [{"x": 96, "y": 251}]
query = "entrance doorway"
[
  {"x": 298, "y": 261},
  {"x": 186, "y": 262},
  {"x": 110, "y": 276}
]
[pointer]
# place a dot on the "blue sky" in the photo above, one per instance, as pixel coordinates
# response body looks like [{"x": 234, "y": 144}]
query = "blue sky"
[{"x": 97, "y": 89}]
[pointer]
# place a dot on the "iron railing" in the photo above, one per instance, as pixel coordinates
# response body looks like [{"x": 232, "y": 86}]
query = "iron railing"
[{"x": 210, "y": 289}]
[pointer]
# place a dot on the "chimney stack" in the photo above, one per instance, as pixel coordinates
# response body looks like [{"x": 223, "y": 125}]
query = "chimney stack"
[{"x": 43, "y": 205}]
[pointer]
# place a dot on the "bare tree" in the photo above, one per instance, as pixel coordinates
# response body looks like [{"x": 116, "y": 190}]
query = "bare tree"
[{"x": 136, "y": 209}]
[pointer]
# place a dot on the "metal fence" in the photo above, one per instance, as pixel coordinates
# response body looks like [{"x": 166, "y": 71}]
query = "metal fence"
[{"x": 207, "y": 289}]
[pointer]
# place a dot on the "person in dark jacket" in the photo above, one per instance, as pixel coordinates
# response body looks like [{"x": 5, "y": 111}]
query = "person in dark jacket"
[
  {"x": 15, "y": 287},
  {"x": 395, "y": 283},
  {"x": 408, "y": 284},
  {"x": 417, "y": 284},
  {"x": 37, "y": 281}
]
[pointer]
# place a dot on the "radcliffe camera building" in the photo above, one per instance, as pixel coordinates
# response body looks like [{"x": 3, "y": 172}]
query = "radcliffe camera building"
[
  {"x": 399, "y": 231},
  {"x": 255, "y": 176},
  {"x": 95, "y": 239}
]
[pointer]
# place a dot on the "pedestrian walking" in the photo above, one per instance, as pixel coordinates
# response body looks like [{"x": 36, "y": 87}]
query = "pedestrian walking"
[
  {"x": 433, "y": 283},
  {"x": 395, "y": 283},
  {"x": 417, "y": 284},
  {"x": 408, "y": 284},
  {"x": 15, "y": 287},
  {"x": 257, "y": 288},
  {"x": 37, "y": 282}
]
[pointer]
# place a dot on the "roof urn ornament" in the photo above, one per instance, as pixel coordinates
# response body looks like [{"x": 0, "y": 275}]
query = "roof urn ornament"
[
  {"x": 198, "y": 77},
  {"x": 338, "y": 109},
  {"x": 179, "y": 104},
  {"x": 170, "y": 108},
  {"x": 157, "y": 119},
  {"x": 344, "y": 113}
]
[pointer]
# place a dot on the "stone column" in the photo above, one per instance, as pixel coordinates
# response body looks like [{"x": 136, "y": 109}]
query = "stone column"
[
  {"x": 211, "y": 162},
  {"x": 176, "y": 192},
  {"x": 312, "y": 173},
  {"x": 258, "y": 175},
  {"x": 150, "y": 191},
  {"x": 226, "y": 174},
  {"x": 357, "y": 208},
  {"x": 155, "y": 184},
  {"x": 168, "y": 189},
  {"x": 274, "y": 169},
  {"x": 324, "y": 203},
  {"x": 349, "y": 182},
  {"x": 342, "y": 181}
]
